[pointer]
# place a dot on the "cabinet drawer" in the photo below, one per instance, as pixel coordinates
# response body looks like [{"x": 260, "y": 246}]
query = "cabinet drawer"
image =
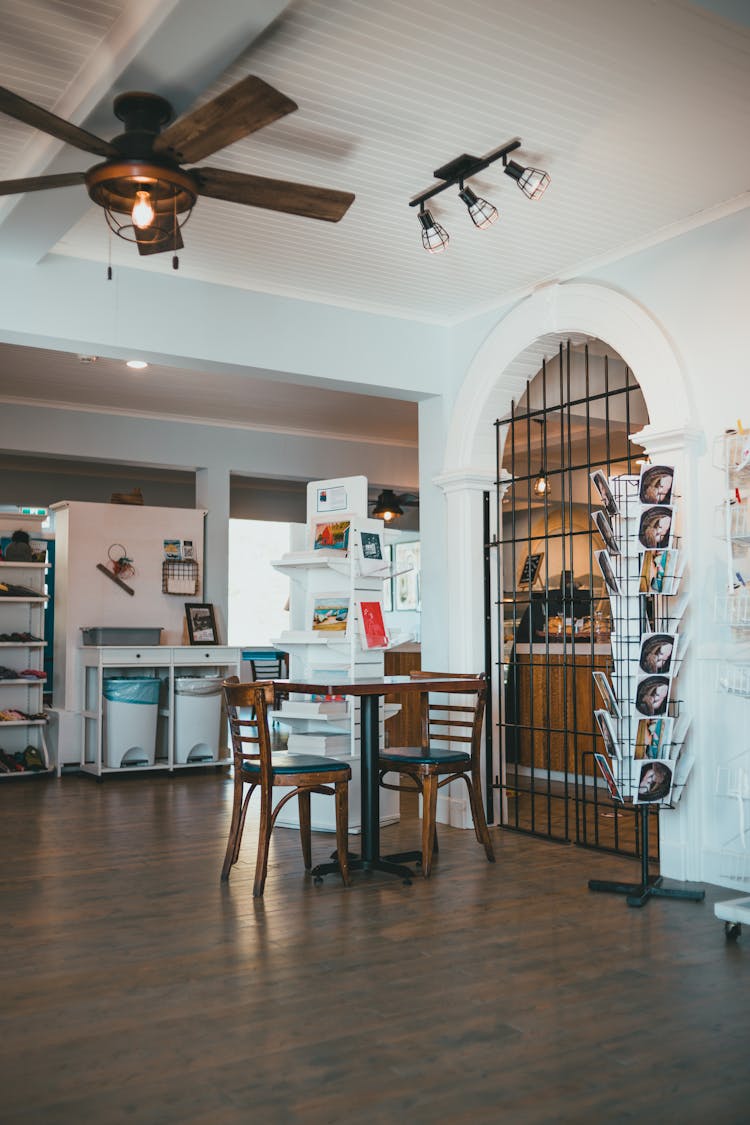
[
  {"x": 110, "y": 655},
  {"x": 208, "y": 654}
]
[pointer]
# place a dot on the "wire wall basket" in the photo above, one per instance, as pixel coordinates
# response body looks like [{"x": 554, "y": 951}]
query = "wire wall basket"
[{"x": 179, "y": 577}]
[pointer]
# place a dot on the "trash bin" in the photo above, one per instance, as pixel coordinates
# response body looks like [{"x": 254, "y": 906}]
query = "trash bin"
[
  {"x": 197, "y": 718},
  {"x": 131, "y": 710}
]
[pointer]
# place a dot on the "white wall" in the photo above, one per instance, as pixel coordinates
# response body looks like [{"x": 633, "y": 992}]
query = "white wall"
[{"x": 690, "y": 296}]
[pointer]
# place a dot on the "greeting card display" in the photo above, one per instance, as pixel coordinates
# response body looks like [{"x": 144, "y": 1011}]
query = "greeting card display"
[{"x": 372, "y": 625}]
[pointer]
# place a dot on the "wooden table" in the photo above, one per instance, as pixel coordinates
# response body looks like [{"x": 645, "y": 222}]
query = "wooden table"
[{"x": 370, "y": 692}]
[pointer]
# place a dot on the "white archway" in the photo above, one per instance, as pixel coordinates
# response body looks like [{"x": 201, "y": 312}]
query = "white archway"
[
  {"x": 514, "y": 350},
  {"x": 511, "y": 355}
]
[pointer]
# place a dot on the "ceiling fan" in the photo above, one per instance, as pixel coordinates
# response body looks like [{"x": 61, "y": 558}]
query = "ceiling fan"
[
  {"x": 142, "y": 176},
  {"x": 390, "y": 505}
]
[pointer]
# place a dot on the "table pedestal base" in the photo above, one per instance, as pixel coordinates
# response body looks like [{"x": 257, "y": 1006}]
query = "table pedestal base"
[
  {"x": 639, "y": 893},
  {"x": 357, "y": 863}
]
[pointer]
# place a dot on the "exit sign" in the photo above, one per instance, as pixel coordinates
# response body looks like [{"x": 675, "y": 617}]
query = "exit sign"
[{"x": 33, "y": 511}]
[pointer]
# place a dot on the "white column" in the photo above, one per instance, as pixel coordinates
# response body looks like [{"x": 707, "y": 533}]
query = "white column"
[
  {"x": 464, "y": 494},
  {"x": 212, "y": 493},
  {"x": 681, "y": 828}
]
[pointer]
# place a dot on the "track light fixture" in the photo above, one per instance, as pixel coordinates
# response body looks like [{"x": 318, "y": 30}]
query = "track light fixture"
[{"x": 533, "y": 182}]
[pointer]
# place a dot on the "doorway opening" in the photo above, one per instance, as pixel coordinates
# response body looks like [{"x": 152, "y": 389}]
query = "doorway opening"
[{"x": 553, "y": 618}]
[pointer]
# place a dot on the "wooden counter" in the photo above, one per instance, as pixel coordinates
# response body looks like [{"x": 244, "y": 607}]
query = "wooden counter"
[
  {"x": 550, "y": 701},
  {"x": 403, "y": 729}
]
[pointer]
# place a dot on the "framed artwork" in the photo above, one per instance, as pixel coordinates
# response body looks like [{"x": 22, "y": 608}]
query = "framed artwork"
[
  {"x": 201, "y": 623},
  {"x": 529, "y": 571},
  {"x": 407, "y": 565}
]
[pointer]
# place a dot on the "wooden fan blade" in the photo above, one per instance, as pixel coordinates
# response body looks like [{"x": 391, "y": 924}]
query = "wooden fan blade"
[
  {"x": 39, "y": 183},
  {"x": 273, "y": 195},
  {"x": 16, "y": 106},
  {"x": 240, "y": 110},
  {"x": 153, "y": 240}
]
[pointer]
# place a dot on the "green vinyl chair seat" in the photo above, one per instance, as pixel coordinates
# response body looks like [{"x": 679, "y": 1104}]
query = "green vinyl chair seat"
[
  {"x": 430, "y": 755},
  {"x": 297, "y": 763}
]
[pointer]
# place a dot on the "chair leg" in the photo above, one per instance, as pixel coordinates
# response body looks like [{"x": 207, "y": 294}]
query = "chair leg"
[
  {"x": 429, "y": 816},
  {"x": 342, "y": 829},
  {"x": 303, "y": 799},
  {"x": 264, "y": 840},
  {"x": 481, "y": 830},
  {"x": 236, "y": 826}
]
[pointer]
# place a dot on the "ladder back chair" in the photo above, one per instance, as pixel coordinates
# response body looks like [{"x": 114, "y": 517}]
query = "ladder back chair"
[
  {"x": 256, "y": 768},
  {"x": 275, "y": 666},
  {"x": 433, "y": 764}
]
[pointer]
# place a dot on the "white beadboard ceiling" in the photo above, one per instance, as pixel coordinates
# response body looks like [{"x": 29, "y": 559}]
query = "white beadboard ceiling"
[{"x": 638, "y": 110}]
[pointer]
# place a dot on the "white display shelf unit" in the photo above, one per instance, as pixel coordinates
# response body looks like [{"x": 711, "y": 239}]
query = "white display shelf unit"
[
  {"x": 731, "y": 856},
  {"x": 332, "y": 655},
  {"x": 167, "y": 663},
  {"x": 23, "y": 615}
]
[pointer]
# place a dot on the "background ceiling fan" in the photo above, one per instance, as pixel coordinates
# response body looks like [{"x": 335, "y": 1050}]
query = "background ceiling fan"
[
  {"x": 390, "y": 505},
  {"x": 142, "y": 176}
]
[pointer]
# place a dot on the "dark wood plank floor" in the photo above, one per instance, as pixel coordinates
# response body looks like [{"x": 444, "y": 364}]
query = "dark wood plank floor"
[{"x": 136, "y": 988}]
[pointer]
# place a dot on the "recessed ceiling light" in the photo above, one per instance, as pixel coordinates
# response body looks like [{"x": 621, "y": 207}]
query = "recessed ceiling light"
[
  {"x": 136, "y": 364},
  {"x": 87, "y": 358}
]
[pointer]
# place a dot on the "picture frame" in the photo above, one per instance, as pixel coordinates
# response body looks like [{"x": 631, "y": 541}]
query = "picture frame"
[
  {"x": 407, "y": 566},
  {"x": 201, "y": 623},
  {"x": 529, "y": 572}
]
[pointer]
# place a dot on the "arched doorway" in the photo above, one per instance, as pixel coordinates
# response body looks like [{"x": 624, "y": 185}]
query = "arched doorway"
[
  {"x": 553, "y": 618},
  {"x": 509, "y": 356}
]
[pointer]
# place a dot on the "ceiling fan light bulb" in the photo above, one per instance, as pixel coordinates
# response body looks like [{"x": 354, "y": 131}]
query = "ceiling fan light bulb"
[{"x": 143, "y": 212}]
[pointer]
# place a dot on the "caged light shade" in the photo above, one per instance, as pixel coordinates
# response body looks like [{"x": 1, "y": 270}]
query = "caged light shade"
[
  {"x": 533, "y": 182},
  {"x": 434, "y": 238},
  {"x": 481, "y": 212}
]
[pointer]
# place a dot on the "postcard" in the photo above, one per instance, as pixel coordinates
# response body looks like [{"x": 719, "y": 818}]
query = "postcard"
[
  {"x": 333, "y": 535},
  {"x": 601, "y": 484},
  {"x": 330, "y": 614},
  {"x": 653, "y": 738},
  {"x": 655, "y": 526},
  {"x": 606, "y": 726},
  {"x": 654, "y": 782},
  {"x": 655, "y": 484},
  {"x": 604, "y": 527},
  {"x": 605, "y": 566},
  {"x": 652, "y": 696},
  {"x": 658, "y": 654},
  {"x": 606, "y": 771},
  {"x": 607, "y": 693}
]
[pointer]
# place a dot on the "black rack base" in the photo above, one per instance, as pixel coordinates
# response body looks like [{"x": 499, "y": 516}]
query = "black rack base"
[{"x": 638, "y": 894}]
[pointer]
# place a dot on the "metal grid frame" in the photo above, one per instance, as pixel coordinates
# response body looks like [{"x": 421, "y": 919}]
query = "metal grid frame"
[{"x": 535, "y": 798}]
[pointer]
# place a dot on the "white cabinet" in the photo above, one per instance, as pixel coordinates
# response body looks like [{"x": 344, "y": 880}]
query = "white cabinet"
[
  {"x": 314, "y": 577},
  {"x": 168, "y": 665},
  {"x": 21, "y": 651}
]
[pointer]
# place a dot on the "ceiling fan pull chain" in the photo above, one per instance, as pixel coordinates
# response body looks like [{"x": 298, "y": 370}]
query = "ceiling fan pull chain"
[
  {"x": 109, "y": 257},
  {"x": 175, "y": 262}
]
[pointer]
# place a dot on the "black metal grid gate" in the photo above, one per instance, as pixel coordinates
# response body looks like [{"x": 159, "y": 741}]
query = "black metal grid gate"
[{"x": 553, "y": 613}]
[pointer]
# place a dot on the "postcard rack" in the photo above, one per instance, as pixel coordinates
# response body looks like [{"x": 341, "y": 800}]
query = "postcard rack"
[{"x": 643, "y": 723}]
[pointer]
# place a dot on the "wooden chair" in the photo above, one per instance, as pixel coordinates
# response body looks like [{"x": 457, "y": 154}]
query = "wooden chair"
[
  {"x": 429, "y": 766},
  {"x": 272, "y": 667},
  {"x": 255, "y": 767}
]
